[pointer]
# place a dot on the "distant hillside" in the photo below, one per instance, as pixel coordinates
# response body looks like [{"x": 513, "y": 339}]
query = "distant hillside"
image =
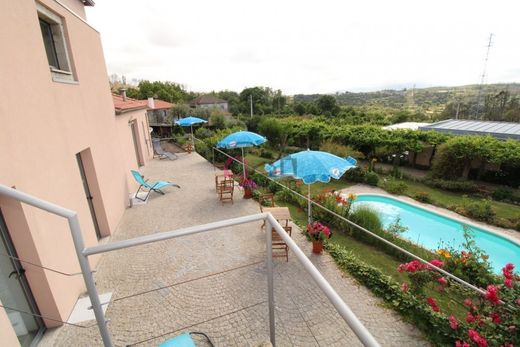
[{"x": 426, "y": 98}]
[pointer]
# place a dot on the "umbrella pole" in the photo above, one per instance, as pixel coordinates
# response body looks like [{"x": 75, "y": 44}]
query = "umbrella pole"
[
  {"x": 192, "y": 138},
  {"x": 309, "y": 206},
  {"x": 244, "y": 164}
]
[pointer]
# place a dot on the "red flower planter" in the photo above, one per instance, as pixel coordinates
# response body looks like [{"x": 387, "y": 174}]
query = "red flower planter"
[
  {"x": 317, "y": 247},
  {"x": 248, "y": 193}
]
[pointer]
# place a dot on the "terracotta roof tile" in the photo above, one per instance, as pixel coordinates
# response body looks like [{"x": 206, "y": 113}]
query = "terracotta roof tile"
[{"x": 130, "y": 104}]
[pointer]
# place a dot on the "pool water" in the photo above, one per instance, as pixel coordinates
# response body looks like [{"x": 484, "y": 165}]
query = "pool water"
[{"x": 434, "y": 231}]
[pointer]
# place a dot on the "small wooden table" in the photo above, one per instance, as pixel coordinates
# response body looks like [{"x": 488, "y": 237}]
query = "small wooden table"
[{"x": 279, "y": 213}]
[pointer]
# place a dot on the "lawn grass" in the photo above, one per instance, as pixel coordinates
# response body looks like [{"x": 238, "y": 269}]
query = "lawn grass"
[{"x": 445, "y": 199}]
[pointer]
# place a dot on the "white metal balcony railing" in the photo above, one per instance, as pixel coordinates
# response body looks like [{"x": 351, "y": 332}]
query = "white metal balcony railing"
[{"x": 84, "y": 252}]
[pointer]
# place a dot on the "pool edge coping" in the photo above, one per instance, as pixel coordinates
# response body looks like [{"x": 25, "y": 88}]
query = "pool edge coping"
[{"x": 456, "y": 218}]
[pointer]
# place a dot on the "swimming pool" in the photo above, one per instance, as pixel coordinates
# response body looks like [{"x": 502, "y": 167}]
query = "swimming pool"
[{"x": 432, "y": 230}]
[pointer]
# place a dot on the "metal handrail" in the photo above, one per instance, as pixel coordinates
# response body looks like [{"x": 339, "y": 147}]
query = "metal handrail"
[{"x": 84, "y": 252}]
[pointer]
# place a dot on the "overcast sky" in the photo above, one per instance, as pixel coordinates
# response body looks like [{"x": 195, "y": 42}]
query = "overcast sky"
[{"x": 318, "y": 46}]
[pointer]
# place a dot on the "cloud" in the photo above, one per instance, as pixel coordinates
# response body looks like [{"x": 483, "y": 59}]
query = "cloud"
[{"x": 308, "y": 46}]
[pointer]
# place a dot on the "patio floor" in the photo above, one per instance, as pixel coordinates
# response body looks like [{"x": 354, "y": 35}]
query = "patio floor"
[{"x": 215, "y": 282}]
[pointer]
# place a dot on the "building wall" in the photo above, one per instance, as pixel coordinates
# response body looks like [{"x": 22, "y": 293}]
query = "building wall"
[
  {"x": 222, "y": 106},
  {"x": 44, "y": 124}
]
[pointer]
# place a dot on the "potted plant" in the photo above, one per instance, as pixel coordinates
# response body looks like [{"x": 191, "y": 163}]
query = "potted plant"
[
  {"x": 249, "y": 185},
  {"x": 318, "y": 232}
]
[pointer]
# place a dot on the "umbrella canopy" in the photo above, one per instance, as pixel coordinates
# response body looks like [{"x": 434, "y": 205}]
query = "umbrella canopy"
[
  {"x": 311, "y": 166},
  {"x": 241, "y": 139},
  {"x": 189, "y": 121}
]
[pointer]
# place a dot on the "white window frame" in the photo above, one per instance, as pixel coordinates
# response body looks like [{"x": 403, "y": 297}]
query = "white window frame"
[{"x": 65, "y": 72}]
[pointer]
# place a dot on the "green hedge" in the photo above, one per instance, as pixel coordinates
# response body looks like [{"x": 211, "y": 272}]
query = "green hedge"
[{"x": 433, "y": 324}]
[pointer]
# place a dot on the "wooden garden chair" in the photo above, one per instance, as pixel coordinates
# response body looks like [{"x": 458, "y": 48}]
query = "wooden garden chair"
[
  {"x": 280, "y": 248},
  {"x": 225, "y": 190}
]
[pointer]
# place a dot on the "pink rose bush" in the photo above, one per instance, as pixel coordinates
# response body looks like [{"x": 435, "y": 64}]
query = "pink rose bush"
[{"x": 491, "y": 319}]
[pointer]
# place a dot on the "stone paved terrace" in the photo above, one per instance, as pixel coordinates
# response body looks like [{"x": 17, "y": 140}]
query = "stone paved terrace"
[{"x": 216, "y": 282}]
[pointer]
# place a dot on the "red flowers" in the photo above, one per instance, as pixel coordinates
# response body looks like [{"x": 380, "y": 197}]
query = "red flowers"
[
  {"x": 412, "y": 266},
  {"x": 454, "y": 324},
  {"x": 405, "y": 287},
  {"x": 468, "y": 303},
  {"x": 433, "y": 304},
  {"x": 495, "y": 318},
  {"x": 492, "y": 294},
  {"x": 475, "y": 337},
  {"x": 461, "y": 344},
  {"x": 437, "y": 262},
  {"x": 318, "y": 231},
  {"x": 443, "y": 281},
  {"x": 507, "y": 271}
]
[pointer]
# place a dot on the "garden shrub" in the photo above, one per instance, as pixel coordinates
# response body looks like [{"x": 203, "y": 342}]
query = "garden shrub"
[
  {"x": 372, "y": 178},
  {"x": 356, "y": 174},
  {"x": 395, "y": 187},
  {"x": 264, "y": 153},
  {"x": 434, "y": 325},
  {"x": 453, "y": 186},
  {"x": 469, "y": 263},
  {"x": 367, "y": 218},
  {"x": 486, "y": 323},
  {"x": 274, "y": 187},
  {"x": 480, "y": 210},
  {"x": 260, "y": 180},
  {"x": 506, "y": 194},
  {"x": 423, "y": 197}
]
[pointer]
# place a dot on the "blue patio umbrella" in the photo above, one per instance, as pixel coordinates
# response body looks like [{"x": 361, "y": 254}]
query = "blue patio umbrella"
[
  {"x": 311, "y": 166},
  {"x": 241, "y": 139},
  {"x": 189, "y": 122}
]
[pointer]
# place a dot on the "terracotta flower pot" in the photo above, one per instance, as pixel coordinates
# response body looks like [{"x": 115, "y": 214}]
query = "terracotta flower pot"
[
  {"x": 248, "y": 193},
  {"x": 317, "y": 247}
]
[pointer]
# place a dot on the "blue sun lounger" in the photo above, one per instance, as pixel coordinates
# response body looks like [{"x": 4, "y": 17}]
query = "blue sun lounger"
[
  {"x": 151, "y": 186},
  {"x": 184, "y": 340}
]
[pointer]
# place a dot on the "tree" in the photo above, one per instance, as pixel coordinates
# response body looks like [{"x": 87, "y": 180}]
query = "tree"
[
  {"x": 299, "y": 108},
  {"x": 275, "y": 132},
  {"x": 327, "y": 105},
  {"x": 262, "y": 98}
]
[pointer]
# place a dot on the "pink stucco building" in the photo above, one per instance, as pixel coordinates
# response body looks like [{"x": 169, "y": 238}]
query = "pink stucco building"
[{"x": 61, "y": 139}]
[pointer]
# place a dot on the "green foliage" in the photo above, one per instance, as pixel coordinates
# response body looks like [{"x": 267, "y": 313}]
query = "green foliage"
[
  {"x": 433, "y": 324},
  {"x": 423, "y": 197},
  {"x": 274, "y": 187},
  {"x": 396, "y": 228},
  {"x": 167, "y": 91},
  {"x": 367, "y": 218},
  {"x": 469, "y": 263},
  {"x": 480, "y": 210},
  {"x": 356, "y": 174},
  {"x": 338, "y": 149},
  {"x": 264, "y": 153},
  {"x": 217, "y": 120},
  {"x": 372, "y": 178},
  {"x": 395, "y": 187},
  {"x": 260, "y": 180},
  {"x": 180, "y": 111},
  {"x": 275, "y": 132},
  {"x": 458, "y": 186}
]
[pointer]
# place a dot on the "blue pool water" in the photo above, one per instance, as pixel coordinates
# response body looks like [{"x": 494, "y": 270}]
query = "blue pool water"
[{"x": 434, "y": 231}]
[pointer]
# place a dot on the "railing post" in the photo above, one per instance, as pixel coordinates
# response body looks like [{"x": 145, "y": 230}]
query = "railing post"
[
  {"x": 270, "y": 280},
  {"x": 89, "y": 281}
]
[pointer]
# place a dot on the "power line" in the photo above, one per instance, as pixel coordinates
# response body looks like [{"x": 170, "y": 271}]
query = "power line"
[{"x": 483, "y": 76}]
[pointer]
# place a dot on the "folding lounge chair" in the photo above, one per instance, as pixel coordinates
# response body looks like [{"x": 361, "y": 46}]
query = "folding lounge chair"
[
  {"x": 161, "y": 152},
  {"x": 155, "y": 186},
  {"x": 184, "y": 340}
]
